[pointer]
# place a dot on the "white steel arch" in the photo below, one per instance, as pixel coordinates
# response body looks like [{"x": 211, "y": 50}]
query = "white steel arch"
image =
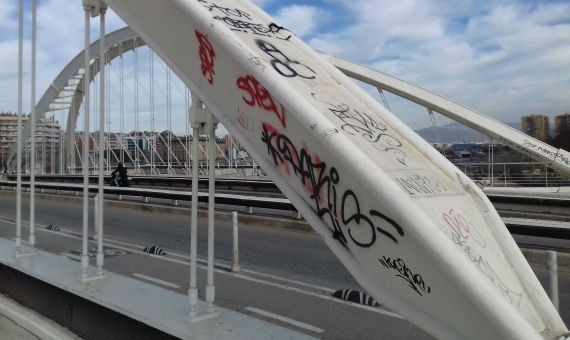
[
  {"x": 558, "y": 159},
  {"x": 412, "y": 229},
  {"x": 377, "y": 169},
  {"x": 69, "y": 84}
]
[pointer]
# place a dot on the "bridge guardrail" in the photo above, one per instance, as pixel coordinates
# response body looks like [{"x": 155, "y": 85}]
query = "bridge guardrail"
[
  {"x": 257, "y": 185},
  {"x": 285, "y": 204},
  {"x": 267, "y": 186},
  {"x": 229, "y": 199}
]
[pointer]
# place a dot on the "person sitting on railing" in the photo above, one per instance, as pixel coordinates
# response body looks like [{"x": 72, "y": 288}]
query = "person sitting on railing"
[{"x": 119, "y": 176}]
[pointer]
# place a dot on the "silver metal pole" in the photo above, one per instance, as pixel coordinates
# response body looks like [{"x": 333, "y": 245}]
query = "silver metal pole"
[
  {"x": 19, "y": 139},
  {"x": 121, "y": 108},
  {"x": 169, "y": 119},
  {"x": 86, "y": 139},
  {"x": 193, "y": 290},
  {"x": 552, "y": 277},
  {"x": 187, "y": 103},
  {"x": 136, "y": 76},
  {"x": 210, "y": 288},
  {"x": 32, "y": 236},
  {"x": 492, "y": 165},
  {"x": 96, "y": 216},
  {"x": 101, "y": 197},
  {"x": 152, "y": 137},
  {"x": 235, "y": 264}
]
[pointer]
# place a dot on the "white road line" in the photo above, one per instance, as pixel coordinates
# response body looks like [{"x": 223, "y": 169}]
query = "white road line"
[
  {"x": 204, "y": 261},
  {"x": 253, "y": 279},
  {"x": 72, "y": 256},
  {"x": 285, "y": 319},
  {"x": 157, "y": 281}
]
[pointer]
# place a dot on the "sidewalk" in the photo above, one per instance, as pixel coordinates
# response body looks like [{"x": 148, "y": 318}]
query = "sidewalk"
[
  {"x": 11, "y": 330},
  {"x": 19, "y": 322}
]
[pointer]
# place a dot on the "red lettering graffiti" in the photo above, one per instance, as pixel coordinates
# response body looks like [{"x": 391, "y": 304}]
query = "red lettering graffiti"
[
  {"x": 260, "y": 96},
  {"x": 207, "y": 56}
]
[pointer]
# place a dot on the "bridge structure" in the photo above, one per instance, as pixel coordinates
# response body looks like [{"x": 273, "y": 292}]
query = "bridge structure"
[{"x": 411, "y": 228}]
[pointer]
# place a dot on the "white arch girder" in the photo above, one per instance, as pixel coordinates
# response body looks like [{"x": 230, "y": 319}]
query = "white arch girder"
[{"x": 123, "y": 40}]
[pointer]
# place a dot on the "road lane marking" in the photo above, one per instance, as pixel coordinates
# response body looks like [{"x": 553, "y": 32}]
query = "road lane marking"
[
  {"x": 249, "y": 278},
  {"x": 155, "y": 280},
  {"x": 171, "y": 253},
  {"x": 285, "y": 319},
  {"x": 71, "y": 256}
]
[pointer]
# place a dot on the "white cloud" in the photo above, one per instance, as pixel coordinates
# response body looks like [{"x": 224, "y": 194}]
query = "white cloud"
[
  {"x": 299, "y": 19},
  {"x": 504, "y": 59}
]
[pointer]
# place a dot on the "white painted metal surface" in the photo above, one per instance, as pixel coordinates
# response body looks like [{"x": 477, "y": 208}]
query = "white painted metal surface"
[
  {"x": 558, "y": 159},
  {"x": 19, "y": 138},
  {"x": 32, "y": 235},
  {"x": 416, "y": 233},
  {"x": 101, "y": 179}
]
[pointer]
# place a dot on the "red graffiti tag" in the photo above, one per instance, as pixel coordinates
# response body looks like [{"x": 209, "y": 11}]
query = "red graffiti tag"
[
  {"x": 260, "y": 96},
  {"x": 207, "y": 56},
  {"x": 463, "y": 228}
]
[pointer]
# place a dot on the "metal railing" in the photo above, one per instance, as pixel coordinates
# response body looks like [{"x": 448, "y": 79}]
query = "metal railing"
[
  {"x": 283, "y": 204},
  {"x": 513, "y": 174}
]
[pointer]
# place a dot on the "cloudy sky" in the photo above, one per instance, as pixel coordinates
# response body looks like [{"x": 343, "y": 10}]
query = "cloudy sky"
[{"x": 502, "y": 58}]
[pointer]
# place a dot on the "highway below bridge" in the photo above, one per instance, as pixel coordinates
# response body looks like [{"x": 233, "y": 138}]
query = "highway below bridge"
[{"x": 287, "y": 276}]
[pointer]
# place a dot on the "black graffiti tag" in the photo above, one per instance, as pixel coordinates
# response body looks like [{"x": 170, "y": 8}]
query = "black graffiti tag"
[
  {"x": 485, "y": 267},
  {"x": 239, "y": 20},
  {"x": 235, "y": 12},
  {"x": 282, "y": 64},
  {"x": 360, "y": 123},
  {"x": 321, "y": 183},
  {"x": 415, "y": 281}
]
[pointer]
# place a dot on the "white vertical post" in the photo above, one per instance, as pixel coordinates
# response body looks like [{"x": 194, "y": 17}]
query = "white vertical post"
[
  {"x": 492, "y": 164},
  {"x": 552, "y": 277},
  {"x": 96, "y": 216},
  {"x": 121, "y": 108},
  {"x": 32, "y": 236},
  {"x": 169, "y": 120},
  {"x": 193, "y": 290},
  {"x": 101, "y": 195},
  {"x": 19, "y": 138},
  {"x": 235, "y": 264},
  {"x": 136, "y": 76},
  {"x": 85, "y": 166},
  {"x": 151, "y": 97},
  {"x": 210, "y": 288}
]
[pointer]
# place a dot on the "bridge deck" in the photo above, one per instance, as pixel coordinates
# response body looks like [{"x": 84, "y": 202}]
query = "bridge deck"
[{"x": 160, "y": 308}]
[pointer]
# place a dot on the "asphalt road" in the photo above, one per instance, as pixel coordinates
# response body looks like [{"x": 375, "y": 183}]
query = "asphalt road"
[{"x": 288, "y": 272}]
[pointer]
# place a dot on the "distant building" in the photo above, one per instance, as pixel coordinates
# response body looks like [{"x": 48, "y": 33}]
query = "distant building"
[
  {"x": 536, "y": 126},
  {"x": 561, "y": 123},
  {"x": 48, "y": 137}
]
